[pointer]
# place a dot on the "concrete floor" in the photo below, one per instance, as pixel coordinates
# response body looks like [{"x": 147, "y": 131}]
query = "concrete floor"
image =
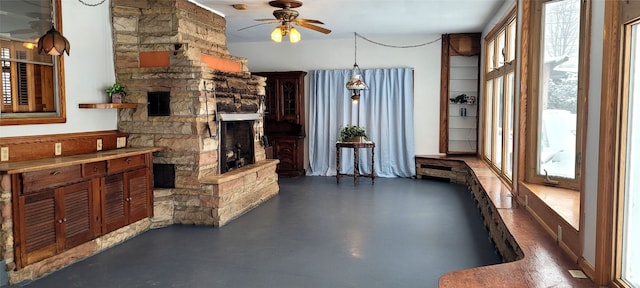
[{"x": 315, "y": 233}]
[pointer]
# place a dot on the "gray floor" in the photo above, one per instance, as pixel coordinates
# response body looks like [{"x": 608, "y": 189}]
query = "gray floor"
[{"x": 315, "y": 233}]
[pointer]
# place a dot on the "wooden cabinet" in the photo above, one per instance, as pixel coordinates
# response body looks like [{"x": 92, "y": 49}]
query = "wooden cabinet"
[
  {"x": 37, "y": 234},
  {"x": 284, "y": 97},
  {"x": 126, "y": 199},
  {"x": 55, "y": 219},
  {"x": 284, "y": 122},
  {"x": 289, "y": 151},
  {"x": 60, "y": 208},
  {"x": 139, "y": 194},
  {"x": 77, "y": 218}
]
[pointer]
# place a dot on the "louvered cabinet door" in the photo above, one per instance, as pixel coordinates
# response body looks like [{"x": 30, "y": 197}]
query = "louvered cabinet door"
[
  {"x": 38, "y": 239},
  {"x": 75, "y": 202},
  {"x": 138, "y": 191},
  {"x": 114, "y": 210}
]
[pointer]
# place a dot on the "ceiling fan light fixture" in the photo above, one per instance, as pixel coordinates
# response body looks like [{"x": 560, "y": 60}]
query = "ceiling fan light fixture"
[
  {"x": 276, "y": 35},
  {"x": 294, "y": 35},
  {"x": 53, "y": 43},
  {"x": 287, "y": 17}
]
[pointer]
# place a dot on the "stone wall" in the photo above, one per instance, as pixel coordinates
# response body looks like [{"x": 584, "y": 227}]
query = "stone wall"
[
  {"x": 178, "y": 47},
  {"x": 6, "y": 226}
]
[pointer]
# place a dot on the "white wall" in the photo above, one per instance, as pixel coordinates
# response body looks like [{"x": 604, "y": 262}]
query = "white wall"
[
  {"x": 339, "y": 54},
  {"x": 88, "y": 71}
]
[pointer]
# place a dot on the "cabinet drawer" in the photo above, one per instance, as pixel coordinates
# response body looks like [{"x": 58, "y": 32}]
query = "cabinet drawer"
[
  {"x": 125, "y": 163},
  {"x": 38, "y": 180},
  {"x": 94, "y": 169}
]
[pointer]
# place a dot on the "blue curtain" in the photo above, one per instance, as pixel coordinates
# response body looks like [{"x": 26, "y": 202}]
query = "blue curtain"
[{"x": 385, "y": 110}]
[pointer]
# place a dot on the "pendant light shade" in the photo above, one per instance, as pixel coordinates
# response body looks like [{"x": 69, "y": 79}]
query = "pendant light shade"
[
  {"x": 294, "y": 35},
  {"x": 355, "y": 83},
  {"x": 285, "y": 30},
  {"x": 53, "y": 43},
  {"x": 276, "y": 35}
]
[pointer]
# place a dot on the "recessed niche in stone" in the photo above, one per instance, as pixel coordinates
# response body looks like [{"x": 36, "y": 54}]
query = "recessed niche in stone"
[
  {"x": 158, "y": 104},
  {"x": 164, "y": 176}
]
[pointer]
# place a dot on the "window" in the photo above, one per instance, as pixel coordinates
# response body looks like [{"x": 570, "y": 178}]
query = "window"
[
  {"x": 618, "y": 229},
  {"x": 499, "y": 96},
  {"x": 32, "y": 90},
  {"x": 629, "y": 193},
  {"x": 554, "y": 131},
  {"x": 630, "y": 259}
]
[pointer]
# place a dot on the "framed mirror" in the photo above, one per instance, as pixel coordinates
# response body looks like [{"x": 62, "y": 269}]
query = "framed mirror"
[{"x": 32, "y": 83}]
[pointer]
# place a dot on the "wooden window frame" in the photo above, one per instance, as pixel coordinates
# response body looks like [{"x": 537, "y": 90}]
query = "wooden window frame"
[
  {"x": 499, "y": 70},
  {"x": 529, "y": 101},
  {"x": 611, "y": 149},
  {"x": 59, "y": 116}
]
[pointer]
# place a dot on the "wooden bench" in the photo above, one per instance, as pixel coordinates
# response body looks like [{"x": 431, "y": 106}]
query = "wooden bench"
[{"x": 532, "y": 258}]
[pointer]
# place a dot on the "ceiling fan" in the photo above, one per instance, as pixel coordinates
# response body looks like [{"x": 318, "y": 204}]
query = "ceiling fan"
[{"x": 287, "y": 17}]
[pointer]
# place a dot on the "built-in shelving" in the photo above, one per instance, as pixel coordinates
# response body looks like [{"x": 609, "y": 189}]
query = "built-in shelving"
[
  {"x": 459, "y": 93},
  {"x": 107, "y": 105},
  {"x": 463, "y": 117}
]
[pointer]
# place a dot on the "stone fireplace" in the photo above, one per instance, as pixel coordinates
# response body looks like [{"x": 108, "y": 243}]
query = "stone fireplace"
[
  {"x": 237, "y": 134},
  {"x": 199, "y": 103}
]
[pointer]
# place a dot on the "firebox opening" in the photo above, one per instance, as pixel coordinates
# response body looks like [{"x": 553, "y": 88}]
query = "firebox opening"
[
  {"x": 158, "y": 104},
  {"x": 164, "y": 175},
  {"x": 236, "y": 145}
]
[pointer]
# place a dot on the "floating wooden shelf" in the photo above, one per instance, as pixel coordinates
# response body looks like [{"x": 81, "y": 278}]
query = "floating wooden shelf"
[{"x": 108, "y": 105}]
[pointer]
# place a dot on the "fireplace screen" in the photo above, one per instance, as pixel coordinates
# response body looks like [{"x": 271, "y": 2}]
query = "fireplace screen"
[{"x": 236, "y": 145}]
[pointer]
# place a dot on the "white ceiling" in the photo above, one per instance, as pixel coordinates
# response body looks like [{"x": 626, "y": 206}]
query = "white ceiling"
[{"x": 370, "y": 18}]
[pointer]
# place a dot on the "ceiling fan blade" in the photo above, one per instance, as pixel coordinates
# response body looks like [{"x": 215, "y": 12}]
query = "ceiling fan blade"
[
  {"x": 309, "y": 21},
  {"x": 314, "y": 27},
  {"x": 252, "y": 26},
  {"x": 266, "y": 19}
]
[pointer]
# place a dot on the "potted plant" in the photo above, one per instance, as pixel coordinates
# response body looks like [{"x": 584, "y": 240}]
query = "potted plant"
[
  {"x": 116, "y": 92},
  {"x": 351, "y": 133}
]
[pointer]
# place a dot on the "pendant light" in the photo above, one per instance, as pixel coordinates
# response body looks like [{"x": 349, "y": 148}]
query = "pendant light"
[
  {"x": 355, "y": 83},
  {"x": 53, "y": 43}
]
